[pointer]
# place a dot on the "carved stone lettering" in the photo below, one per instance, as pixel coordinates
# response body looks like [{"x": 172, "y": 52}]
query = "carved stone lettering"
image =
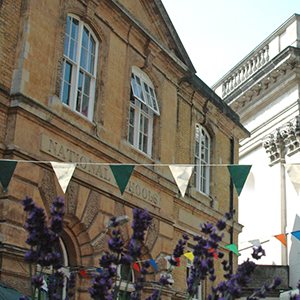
[{"x": 102, "y": 172}]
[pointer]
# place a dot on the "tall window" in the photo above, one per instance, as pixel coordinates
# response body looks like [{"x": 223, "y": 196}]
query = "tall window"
[
  {"x": 143, "y": 107},
  {"x": 202, "y": 159},
  {"x": 79, "y": 67},
  {"x": 198, "y": 293}
]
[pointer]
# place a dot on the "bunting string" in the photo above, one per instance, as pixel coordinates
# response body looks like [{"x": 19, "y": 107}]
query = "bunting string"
[{"x": 119, "y": 164}]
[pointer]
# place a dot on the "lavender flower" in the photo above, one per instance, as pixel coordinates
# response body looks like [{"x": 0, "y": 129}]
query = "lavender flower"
[
  {"x": 116, "y": 243},
  {"x": 141, "y": 222},
  {"x": 178, "y": 251},
  {"x": 102, "y": 285},
  {"x": 37, "y": 281}
]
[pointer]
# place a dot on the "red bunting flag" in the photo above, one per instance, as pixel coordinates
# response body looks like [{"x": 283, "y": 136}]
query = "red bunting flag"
[
  {"x": 213, "y": 251},
  {"x": 136, "y": 267},
  {"x": 83, "y": 273},
  {"x": 281, "y": 238}
]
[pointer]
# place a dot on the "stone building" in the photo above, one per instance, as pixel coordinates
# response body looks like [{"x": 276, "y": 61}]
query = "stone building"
[
  {"x": 98, "y": 82},
  {"x": 264, "y": 89}
]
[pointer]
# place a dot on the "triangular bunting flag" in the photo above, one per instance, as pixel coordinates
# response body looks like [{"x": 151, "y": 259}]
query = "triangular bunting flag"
[
  {"x": 83, "y": 273},
  {"x": 136, "y": 267},
  {"x": 255, "y": 243},
  {"x": 64, "y": 173},
  {"x": 182, "y": 175},
  {"x": 177, "y": 259},
  {"x": 213, "y": 251},
  {"x": 65, "y": 271},
  {"x": 233, "y": 248},
  {"x": 153, "y": 264},
  {"x": 44, "y": 286},
  {"x": 7, "y": 168},
  {"x": 281, "y": 238},
  {"x": 122, "y": 175},
  {"x": 189, "y": 255},
  {"x": 294, "y": 174},
  {"x": 296, "y": 234},
  {"x": 239, "y": 174}
]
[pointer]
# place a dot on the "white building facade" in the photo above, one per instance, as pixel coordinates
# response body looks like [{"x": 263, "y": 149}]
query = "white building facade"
[{"x": 264, "y": 89}]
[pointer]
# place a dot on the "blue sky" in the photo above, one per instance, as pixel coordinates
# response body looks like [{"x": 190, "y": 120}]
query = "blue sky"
[{"x": 217, "y": 34}]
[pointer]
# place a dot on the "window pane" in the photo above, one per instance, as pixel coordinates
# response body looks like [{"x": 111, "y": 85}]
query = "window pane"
[
  {"x": 66, "y": 93},
  {"x": 79, "y": 91},
  {"x": 66, "y": 88},
  {"x": 83, "y": 58},
  {"x": 85, "y": 38},
  {"x": 74, "y": 33},
  {"x": 68, "y": 25},
  {"x": 68, "y": 70},
  {"x": 145, "y": 143},
  {"x": 85, "y": 105},
  {"x": 87, "y": 85},
  {"x": 66, "y": 45}
]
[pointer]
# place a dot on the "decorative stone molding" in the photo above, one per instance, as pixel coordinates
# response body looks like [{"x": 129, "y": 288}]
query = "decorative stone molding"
[
  {"x": 284, "y": 141},
  {"x": 92, "y": 208},
  {"x": 47, "y": 188},
  {"x": 72, "y": 197},
  {"x": 152, "y": 234}
]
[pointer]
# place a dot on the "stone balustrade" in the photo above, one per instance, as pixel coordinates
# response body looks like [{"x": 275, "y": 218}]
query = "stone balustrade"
[{"x": 243, "y": 72}]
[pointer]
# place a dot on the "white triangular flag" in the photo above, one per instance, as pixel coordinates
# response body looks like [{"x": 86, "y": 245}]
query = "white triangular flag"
[
  {"x": 294, "y": 174},
  {"x": 44, "y": 286},
  {"x": 63, "y": 172},
  {"x": 182, "y": 175},
  {"x": 65, "y": 271},
  {"x": 255, "y": 243}
]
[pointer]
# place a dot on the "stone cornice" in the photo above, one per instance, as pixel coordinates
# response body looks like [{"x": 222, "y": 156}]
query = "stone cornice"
[{"x": 264, "y": 79}]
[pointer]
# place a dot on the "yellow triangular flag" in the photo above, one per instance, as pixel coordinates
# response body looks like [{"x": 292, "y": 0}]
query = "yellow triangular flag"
[{"x": 189, "y": 255}]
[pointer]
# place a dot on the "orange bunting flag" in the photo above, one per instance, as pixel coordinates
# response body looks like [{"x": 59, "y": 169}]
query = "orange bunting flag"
[
  {"x": 281, "y": 238},
  {"x": 136, "y": 267}
]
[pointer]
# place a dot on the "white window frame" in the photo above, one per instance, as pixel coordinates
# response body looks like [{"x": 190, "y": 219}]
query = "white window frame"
[
  {"x": 202, "y": 159},
  {"x": 198, "y": 295},
  {"x": 143, "y": 108},
  {"x": 77, "y": 68},
  {"x": 125, "y": 286}
]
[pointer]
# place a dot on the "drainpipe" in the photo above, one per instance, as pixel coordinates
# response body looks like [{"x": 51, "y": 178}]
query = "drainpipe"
[{"x": 231, "y": 203}]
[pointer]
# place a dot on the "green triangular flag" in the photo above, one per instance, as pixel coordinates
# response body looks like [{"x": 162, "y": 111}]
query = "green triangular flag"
[
  {"x": 122, "y": 174},
  {"x": 7, "y": 168},
  {"x": 239, "y": 174},
  {"x": 233, "y": 248}
]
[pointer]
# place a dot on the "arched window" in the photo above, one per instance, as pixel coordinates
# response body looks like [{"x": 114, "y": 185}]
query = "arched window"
[
  {"x": 48, "y": 271},
  {"x": 143, "y": 107},
  {"x": 202, "y": 159},
  {"x": 78, "y": 77}
]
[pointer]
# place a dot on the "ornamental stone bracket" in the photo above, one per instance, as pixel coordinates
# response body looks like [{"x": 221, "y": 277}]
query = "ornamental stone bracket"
[{"x": 284, "y": 141}]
